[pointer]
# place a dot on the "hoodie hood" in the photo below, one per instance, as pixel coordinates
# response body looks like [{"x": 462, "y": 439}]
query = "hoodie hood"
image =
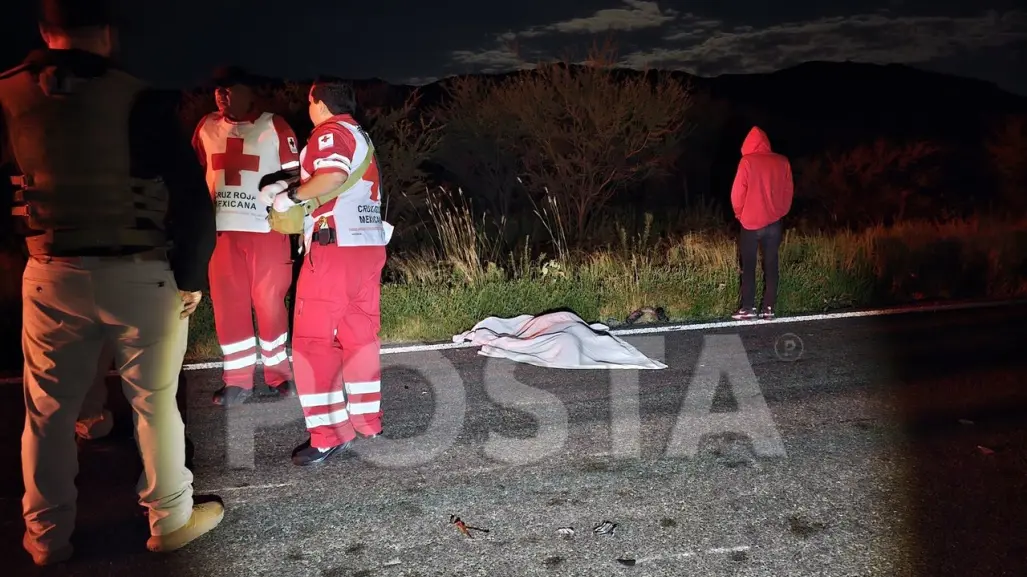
[{"x": 756, "y": 142}]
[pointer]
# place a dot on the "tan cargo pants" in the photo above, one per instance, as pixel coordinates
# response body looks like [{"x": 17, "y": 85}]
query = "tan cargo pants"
[
  {"x": 70, "y": 307},
  {"x": 94, "y": 420}
]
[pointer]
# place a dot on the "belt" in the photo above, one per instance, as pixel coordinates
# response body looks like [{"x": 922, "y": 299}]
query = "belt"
[{"x": 155, "y": 255}]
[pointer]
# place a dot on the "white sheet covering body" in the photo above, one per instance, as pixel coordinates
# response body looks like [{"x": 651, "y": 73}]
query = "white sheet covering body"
[{"x": 559, "y": 340}]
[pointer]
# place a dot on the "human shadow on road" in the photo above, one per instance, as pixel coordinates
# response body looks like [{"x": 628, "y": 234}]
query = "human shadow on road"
[{"x": 959, "y": 384}]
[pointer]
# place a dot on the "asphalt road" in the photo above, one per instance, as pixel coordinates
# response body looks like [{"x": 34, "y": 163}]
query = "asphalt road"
[{"x": 893, "y": 446}]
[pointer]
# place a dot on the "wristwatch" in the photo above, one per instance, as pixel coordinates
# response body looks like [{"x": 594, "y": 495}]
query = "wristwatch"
[{"x": 291, "y": 195}]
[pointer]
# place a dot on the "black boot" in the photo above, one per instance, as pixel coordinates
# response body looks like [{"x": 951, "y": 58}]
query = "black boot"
[
  {"x": 283, "y": 391},
  {"x": 305, "y": 454},
  {"x": 231, "y": 396}
]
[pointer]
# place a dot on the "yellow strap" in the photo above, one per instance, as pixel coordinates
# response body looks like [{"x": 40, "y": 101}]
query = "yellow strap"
[{"x": 354, "y": 177}]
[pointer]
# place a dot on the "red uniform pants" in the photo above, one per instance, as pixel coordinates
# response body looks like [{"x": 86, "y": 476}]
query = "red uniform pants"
[
  {"x": 252, "y": 272},
  {"x": 335, "y": 342}
]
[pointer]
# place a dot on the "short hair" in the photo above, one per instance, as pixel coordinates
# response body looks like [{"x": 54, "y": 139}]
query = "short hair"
[
  {"x": 336, "y": 94},
  {"x": 232, "y": 75},
  {"x": 73, "y": 16}
]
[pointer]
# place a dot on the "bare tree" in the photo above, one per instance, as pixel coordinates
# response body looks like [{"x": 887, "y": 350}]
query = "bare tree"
[
  {"x": 870, "y": 183},
  {"x": 404, "y": 140},
  {"x": 1007, "y": 151},
  {"x": 588, "y": 132},
  {"x": 476, "y": 147}
]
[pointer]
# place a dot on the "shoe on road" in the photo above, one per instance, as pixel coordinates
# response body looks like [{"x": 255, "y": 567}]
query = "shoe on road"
[
  {"x": 230, "y": 396},
  {"x": 283, "y": 391},
  {"x": 305, "y": 454},
  {"x": 206, "y": 516},
  {"x": 744, "y": 315}
]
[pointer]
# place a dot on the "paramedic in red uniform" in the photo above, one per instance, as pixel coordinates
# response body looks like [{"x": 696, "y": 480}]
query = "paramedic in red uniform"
[
  {"x": 251, "y": 269},
  {"x": 337, "y": 319}
]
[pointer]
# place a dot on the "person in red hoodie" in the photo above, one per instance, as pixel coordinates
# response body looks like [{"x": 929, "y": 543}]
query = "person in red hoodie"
[{"x": 761, "y": 196}]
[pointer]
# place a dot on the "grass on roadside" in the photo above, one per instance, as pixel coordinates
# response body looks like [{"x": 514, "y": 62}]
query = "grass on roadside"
[
  {"x": 464, "y": 273},
  {"x": 446, "y": 290}
]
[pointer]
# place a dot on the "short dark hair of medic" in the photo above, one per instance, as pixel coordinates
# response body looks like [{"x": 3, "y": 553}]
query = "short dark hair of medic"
[{"x": 336, "y": 94}]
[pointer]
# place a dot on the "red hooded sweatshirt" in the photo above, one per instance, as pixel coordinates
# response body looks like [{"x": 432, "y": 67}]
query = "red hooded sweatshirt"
[{"x": 762, "y": 192}]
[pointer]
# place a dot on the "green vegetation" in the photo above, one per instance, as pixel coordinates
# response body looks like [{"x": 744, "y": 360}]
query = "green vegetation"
[{"x": 694, "y": 277}]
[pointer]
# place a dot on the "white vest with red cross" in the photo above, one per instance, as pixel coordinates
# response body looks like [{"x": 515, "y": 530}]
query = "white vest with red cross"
[
  {"x": 236, "y": 155},
  {"x": 356, "y": 214}
]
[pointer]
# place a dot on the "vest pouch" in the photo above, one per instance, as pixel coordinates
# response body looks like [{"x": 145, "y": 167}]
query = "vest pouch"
[
  {"x": 288, "y": 222},
  {"x": 291, "y": 221}
]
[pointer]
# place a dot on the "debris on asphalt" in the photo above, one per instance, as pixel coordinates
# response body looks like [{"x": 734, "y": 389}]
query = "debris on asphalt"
[
  {"x": 392, "y": 562},
  {"x": 804, "y": 527},
  {"x": 604, "y": 528},
  {"x": 733, "y": 452},
  {"x": 566, "y": 532},
  {"x": 627, "y": 561},
  {"x": 553, "y": 561},
  {"x": 985, "y": 450},
  {"x": 465, "y": 528}
]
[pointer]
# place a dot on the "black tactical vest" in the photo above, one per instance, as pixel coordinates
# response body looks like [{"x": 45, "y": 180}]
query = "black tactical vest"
[{"x": 70, "y": 139}]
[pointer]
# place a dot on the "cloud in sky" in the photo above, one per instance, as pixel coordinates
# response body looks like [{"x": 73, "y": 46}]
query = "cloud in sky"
[
  {"x": 633, "y": 15},
  {"x": 663, "y": 38},
  {"x": 878, "y": 38}
]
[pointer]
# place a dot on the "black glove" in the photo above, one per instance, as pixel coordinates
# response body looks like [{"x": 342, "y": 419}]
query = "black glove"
[{"x": 289, "y": 175}]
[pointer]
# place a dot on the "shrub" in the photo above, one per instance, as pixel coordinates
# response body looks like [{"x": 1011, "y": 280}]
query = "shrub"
[
  {"x": 581, "y": 133},
  {"x": 404, "y": 140},
  {"x": 477, "y": 147},
  {"x": 1007, "y": 151},
  {"x": 869, "y": 184}
]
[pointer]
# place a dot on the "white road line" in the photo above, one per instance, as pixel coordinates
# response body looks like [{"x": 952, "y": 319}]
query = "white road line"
[
  {"x": 672, "y": 328},
  {"x": 738, "y": 549},
  {"x": 820, "y": 317}
]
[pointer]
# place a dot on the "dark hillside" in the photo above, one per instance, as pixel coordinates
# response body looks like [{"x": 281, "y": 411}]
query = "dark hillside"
[{"x": 840, "y": 118}]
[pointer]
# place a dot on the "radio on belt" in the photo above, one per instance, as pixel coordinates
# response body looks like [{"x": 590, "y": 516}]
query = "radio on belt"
[{"x": 325, "y": 234}]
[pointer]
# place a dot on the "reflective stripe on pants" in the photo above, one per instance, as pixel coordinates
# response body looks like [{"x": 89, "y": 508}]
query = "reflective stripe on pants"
[
  {"x": 336, "y": 349},
  {"x": 250, "y": 273}
]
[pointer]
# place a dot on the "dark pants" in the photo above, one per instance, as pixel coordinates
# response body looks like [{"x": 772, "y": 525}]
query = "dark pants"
[{"x": 749, "y": 241}]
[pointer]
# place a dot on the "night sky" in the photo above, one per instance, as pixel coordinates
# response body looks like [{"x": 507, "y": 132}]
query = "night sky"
[{"x": 177, "y": 43}]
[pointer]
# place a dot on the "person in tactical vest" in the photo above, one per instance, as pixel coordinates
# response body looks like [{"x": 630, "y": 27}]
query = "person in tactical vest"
[{"x": 107, "y": 181}]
